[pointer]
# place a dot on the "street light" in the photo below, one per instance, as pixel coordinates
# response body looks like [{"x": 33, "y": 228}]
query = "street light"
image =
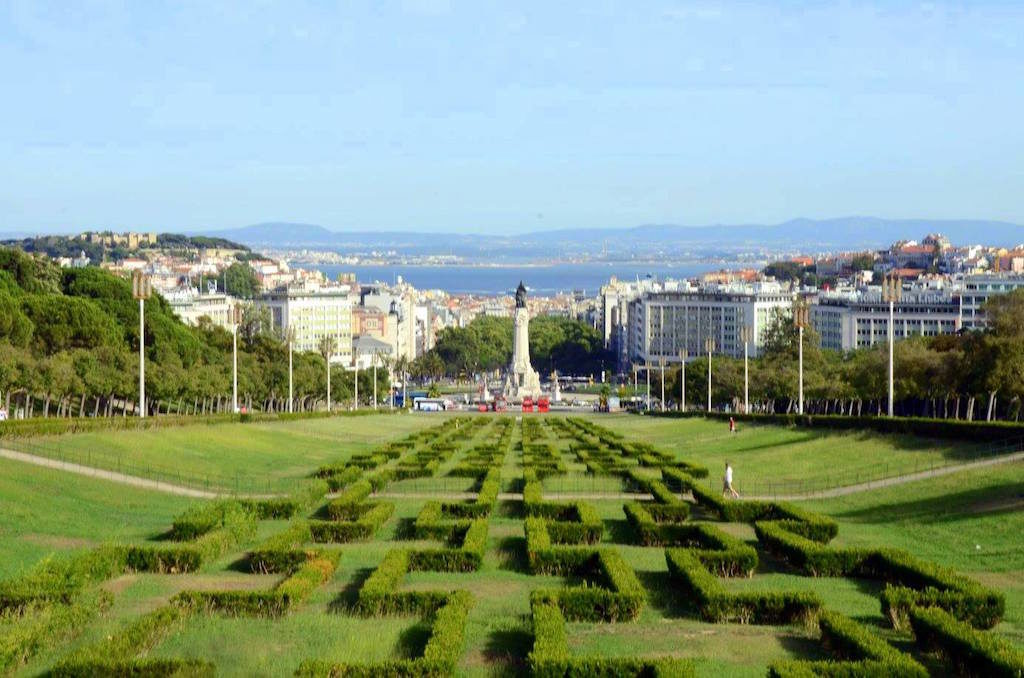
[
  {"x": 355, "y": 398},
  {"x": 892, "y": 291},
  {"x": 375, "y": 380},
  {"x": 236, "y": 320},
  {"x": 327, "y": 344},
  {"x": 142, "y": 288},
  {"x": 661, "y": 364},
  {"x": 709, "y": 346},
  {"x": 683, "y": 355},
  {"x": 801, "y": 318},
  {"x": 746, "y": 335},
  {"x": 647, "y": 374},
  {"x": 290, "y": 335}
]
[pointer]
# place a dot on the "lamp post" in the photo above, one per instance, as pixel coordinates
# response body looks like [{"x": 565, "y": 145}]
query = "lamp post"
[
  {"x": 355, "y": 399},
  {"x": 236, "y": 317},
  {"x": 375, "y": 380},
  {"x": 647, "y": 374},
  {"x": 327, "y": 350},
  {"x": 661, "y": 364},
  {"x": 801, "y": 315},
  {"x": 892, "y": 290},
  {"x": 709, "y": 346},
  {"x": 683, "y": 355},
  {"x": 291, "y": 394},
  {"x": 142, "y": 288},
  {"x": 746, "y": 334}
]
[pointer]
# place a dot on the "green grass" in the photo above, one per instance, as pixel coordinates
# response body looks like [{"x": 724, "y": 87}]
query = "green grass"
[
  {"x": 253, "y": 457},
  {"x": 779, "y": 460},
  {"x": 940, "y": 520},
  {"x": 43, "y": 512}
]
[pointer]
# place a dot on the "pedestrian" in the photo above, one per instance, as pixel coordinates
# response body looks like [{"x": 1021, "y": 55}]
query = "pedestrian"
[
  {"x": 727, "y": 488},
  {"x": 732, "y": 425}
]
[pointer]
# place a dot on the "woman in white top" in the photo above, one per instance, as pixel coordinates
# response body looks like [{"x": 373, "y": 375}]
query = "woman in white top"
[{"x": 727, "y": 487}]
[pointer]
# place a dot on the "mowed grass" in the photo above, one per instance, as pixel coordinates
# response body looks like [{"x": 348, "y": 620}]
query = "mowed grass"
[
  {"x": 47, "y": 512},
  {"x": 936, "y": 519},
  {"x": 252, "y": 457},
  {"x": 775, "y": 459}
]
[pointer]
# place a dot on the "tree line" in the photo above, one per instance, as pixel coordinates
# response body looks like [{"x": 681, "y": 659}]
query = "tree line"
[
  {"x": 971, "y": 375},
  {"x": 69, "y": 341}
]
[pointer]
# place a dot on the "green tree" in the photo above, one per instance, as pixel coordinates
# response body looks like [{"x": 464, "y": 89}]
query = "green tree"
[{"x": 241, "y": 281}]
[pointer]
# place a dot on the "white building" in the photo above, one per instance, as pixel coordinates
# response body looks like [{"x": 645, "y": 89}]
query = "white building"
[
  {"x": 847, "y": 322},
  {"x": 664, "y": 323},
  {"x": 978, "y": 288},
  {"x": 313, "y": 313},
  {"x": 190, "y": 305}
]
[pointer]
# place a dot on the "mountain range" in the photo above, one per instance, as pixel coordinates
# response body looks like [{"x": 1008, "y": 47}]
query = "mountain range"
[{"x": 807, "y": 235}]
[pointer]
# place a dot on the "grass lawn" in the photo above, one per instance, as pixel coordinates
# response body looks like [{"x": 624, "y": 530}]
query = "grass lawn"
[
  {"x": 254, "y": 457},
  {"x": 774, "y": 459},
  {"x": 941, "y": 520},
  {"x": 44, "y": 511}
]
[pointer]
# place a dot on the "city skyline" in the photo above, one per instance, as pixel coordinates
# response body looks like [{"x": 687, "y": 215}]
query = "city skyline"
[{"x": 443, "y": 117}]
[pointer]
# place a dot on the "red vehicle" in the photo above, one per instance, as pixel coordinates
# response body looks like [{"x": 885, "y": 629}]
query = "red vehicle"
[
  {"x": 527, "y": 404},
  {"x": 543, "y": 404},
  {"x": 482, "y": 407}
]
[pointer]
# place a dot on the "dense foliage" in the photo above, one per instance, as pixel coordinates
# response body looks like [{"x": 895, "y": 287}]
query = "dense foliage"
[
  {"x": 75, "y": 332},
  {"x": 562, "y": 344}
]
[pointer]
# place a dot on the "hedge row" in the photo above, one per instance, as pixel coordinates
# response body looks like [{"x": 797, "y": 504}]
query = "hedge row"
[
  {"x": 36, "y": 626},
  {"x": 355, "y": 522},
  {"x": 118, "y": 653},
  {"x": 440, "y": 654},
  {"x": 282, "y": 551},
  {"x": 910, "y": 581},
  {"x": 550, "y": 656},
  {"x": 293, "y": 589},
  {"x": 59, "y": 580},
  {"x": 971, "y": 652},
  {"x": 947, "y": 429},
  {"x": 151, "y": 668},
  {"x": 718, "y": 605},
  {"x": 283, "y": 508},
  {"x": 465, "y": 557}
]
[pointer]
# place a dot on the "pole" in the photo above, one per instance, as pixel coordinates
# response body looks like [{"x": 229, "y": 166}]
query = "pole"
[
  {"x": 328, "y": 359},
  {"x": 356, "y": 398},
  {"x": 746, "y": 380},
  {"x": 291, "y": 393},
  {"x": 682, "y": 388},
  {"x": 405, "y": 378},
  {"x": 800, "y": 351},
  {"x": 892, "y": 340},
  {"x": 662, "y": 384},
  {"x": 234, "y": 369},
  {"x": 142, "y": 358},
  {"x": 647, "y": 374},
  {"x": 709, "y": 379},
  {"x": 374, "y": 381}
]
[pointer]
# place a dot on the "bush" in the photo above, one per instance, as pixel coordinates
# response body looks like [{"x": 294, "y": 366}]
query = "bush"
[
  {"x": 42, "y": 625},
  {"x": 60, "y": 579},
  {"x": 138, "y": 637},
  {"x": 971, "y": 652},
  {"x": 849, "y": 640},
  {"x": 280, "y": 553},
  {"x": 718, "y": 605},
  {"x": 363, "y": 522},
  {"x": 152, "y": 668}
]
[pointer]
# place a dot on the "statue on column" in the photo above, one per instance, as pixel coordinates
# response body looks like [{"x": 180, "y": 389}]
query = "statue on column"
[{"x": 522, "y": 380}]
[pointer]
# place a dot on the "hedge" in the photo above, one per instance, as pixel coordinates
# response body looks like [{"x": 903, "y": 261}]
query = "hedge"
[
  {"x": 59, "y": 580},
  {"x": 611, "y": 591},
  {"x": 971, "y": 652},
  {"x": 116, "y": 654},
  {"x": 440, "y": 654},
  {"x": 352, "y": 522},
  {"x": 848, "y": 639},
  {"x": 466, "y": 558},
  {"x": 718, "y": 605},
  {"x": 795, "y": 668},
  {"x": 151, "y": 668},
  {"x": 42, "y": 625},
  {"x": 281, "y": 552},
  {"x": 550, "y": 656},
  {"x": 910, "y": 581},
  {"x": 947, "y": 429},
  {"x": 339, "y": 508}
]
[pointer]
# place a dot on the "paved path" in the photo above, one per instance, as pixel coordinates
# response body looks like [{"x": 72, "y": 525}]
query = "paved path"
[
  {"x": 159, "y": 486},
  {"x": 135, "y": 481},
  {"x": 895, "y": 480}
]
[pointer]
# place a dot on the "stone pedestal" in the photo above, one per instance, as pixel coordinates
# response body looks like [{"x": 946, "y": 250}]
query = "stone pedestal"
[{"x": 522, "y": 380}]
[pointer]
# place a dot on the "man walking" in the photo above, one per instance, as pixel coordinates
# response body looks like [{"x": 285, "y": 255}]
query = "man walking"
[{"x": 727, "y": 488}]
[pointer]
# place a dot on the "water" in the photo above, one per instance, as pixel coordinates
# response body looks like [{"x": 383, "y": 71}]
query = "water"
[{"x": 542, "y": 279}]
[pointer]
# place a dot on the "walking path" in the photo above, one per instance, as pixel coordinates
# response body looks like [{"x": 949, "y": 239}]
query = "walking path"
[
  {"x": 894, "y": 480},
  {"x": 170, "y": 488},
  {"x": 135, "y": 481}
]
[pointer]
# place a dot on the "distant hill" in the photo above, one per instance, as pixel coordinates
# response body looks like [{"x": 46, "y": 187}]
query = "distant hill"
[{"x": 805, "y": 234}]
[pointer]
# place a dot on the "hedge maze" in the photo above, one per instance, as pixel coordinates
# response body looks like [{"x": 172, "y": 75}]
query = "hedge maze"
[{"x": 552, "y": 565}]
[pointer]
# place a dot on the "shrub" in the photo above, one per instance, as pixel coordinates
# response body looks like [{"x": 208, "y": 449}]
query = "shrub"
[
  {"x": 60, "y": 579},
  {"x": 280, "y": 553},
  {"x": 970, "y": 652},
  {"x": 139, "y": 636},
  {"x": 849, "y": 640},
  {"x": 38, "y": 626}
]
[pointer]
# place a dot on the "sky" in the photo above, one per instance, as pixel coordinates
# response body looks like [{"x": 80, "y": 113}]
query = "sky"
[{"x": 502, "y": 117}]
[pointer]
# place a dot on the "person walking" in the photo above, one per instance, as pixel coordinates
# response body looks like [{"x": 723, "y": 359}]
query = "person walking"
[
  {"x": 732, "y": 425},
  {"x": 727, "y": 488}
]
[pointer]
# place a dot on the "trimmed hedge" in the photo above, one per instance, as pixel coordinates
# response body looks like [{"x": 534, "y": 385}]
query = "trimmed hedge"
[
  {"x": 59, "y": 580},
  {"x": 151, "y": 668},
  {"x": 281, "y": 552},
  {"x": 43, "y": 625},
  {"x": 550, "y": 656},
  {"x": 352, "y": 522},
  {"x": 718, "y": 605},
  {"x": 971, "y": 652},
  {"x": 440, "y": 655}
]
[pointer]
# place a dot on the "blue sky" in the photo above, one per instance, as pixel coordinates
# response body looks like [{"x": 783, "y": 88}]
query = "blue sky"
[{"x": 432, "y": 115}]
